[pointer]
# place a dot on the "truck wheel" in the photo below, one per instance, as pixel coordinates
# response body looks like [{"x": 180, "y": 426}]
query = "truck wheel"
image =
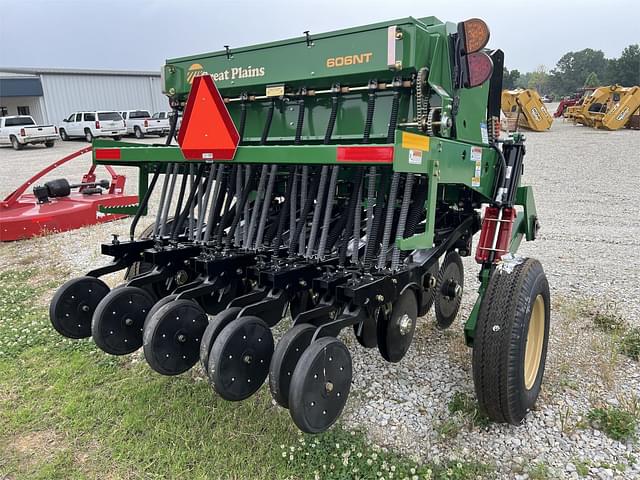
[
  {"x": 63, "y": 135},
  {"x": 162, "y": 134},
  {"x": 16, "y": 144},
  {"x": 88, "y": 135},
  {"x": 510, "y": 343},
  {"x": 117, "y": 138},
  {"x": 138, "y": 133},
  {"x": 49, "y": 144}
]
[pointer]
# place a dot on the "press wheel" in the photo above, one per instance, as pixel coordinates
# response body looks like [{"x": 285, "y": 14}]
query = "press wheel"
[
  {"x": 285, "y": 358},
  {"x": 73, "y": 305},
  {"x": 239, "y": 359},
  {"x": 171, "y": 338},
  {"x": 320, "y": 385},
  {"x": 396, "y": 333},
  {"x": 449, "y": 287},
  {"x": 118, "y": 320},
  {"x": 212, "y": 331},
  {"x": 157, "y": 306}
]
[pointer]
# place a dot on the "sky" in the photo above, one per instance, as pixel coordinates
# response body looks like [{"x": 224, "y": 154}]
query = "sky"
[{"x": 141, "y": 34}]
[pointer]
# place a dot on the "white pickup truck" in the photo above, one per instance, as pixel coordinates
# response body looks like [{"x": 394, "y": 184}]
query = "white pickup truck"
[
  {"x": 141, "y": 123},
  {"x": 20, "y": 130}
]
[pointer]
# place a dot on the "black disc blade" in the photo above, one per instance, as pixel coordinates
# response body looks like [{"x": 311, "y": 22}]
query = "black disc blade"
[
  {"x": 212, "y": 331},
  {"x": 117, "y": 323},
  {"x": 366, "y": 332},
  {"x": 172, "y": 337},
  {"x": 73, "y": 305},
  {"x": 449, "y": 287},
  {"x": 397, "y": 330},
  {"x": 320, "y": 385},
  {"x": 285, "y": 358},
  {"x": 240, "y": 357}
]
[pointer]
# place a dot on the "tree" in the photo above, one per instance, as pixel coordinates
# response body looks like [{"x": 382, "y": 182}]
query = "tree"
[
  {"x": 539, "y": 79},
  {"x": 626, "y": 69},
  {"x": 592, "y": 80},
  {"x": 509, "y": 79},
  {"x": 574, "y": 67}
]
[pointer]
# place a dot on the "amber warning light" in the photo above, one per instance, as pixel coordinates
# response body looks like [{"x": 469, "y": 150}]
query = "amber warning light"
[
  {"x": 476, "y": 66},
  {"x": 207, "y": 132}
]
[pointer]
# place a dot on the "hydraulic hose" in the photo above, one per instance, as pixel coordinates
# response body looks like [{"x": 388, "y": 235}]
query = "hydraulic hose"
[{"x": 143, "y": 204}]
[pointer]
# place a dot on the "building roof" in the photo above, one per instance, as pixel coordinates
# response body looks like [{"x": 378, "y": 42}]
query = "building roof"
[{"x": 78, "y": 71}]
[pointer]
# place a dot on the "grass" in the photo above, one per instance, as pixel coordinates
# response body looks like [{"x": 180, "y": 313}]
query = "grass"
[
  {"x": 617, "y": 423},
  {"x": 467, "y": 406},
  {"x": 69, "y": 411},
  {"x": 582, "y": 467},
  {"x": 539, "y": 471},
  {"x": 605, "y": 320}
]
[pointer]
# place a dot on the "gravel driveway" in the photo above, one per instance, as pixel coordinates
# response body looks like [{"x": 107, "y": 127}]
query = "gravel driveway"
[{"x": 587, "y": 192}]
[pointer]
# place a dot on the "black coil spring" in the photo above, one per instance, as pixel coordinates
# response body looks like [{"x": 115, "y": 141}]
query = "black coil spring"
[
  {"x": 298, "y": 138},
  {"x": 415, "y": 212},
  {"x": 372, "y": 236},
  {"x": 267, "y": 124},
  {"x": 371, "y": 106},
  {"x": 393, "y": 119},
  {"x": 332, "y": 119}
]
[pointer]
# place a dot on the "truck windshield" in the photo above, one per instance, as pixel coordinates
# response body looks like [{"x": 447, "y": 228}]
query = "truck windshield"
[
  {"x": 139, "y": 114},
  {"x": 19, "y": 121},
  {"x": 109, "y": 116}
]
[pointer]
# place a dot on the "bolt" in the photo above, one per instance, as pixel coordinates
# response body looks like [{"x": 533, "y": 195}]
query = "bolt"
[
  {"x": 182, "y": 338},
  {"x": 404, "y": 324},
  {"x": 398, "y": 65},
  {"x": 85, "y": 308},
  {"x": 239, "y": 271},
  {"x": 302, "y": 283},
  {"x": 128, "y": 322},
  {"x": 328, "y": 387},
  {"x": 380, "y": 298},
  {"x": 247, "y": 359},
  {"x": 398, "y": 34}
]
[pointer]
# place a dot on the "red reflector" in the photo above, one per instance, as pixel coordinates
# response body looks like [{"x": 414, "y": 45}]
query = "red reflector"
[
  {"x": 207, "y": 131},
  {"x": 365, "y": 154},
  {"x": 107, "y": 153},
  {"x": 488, "y": 232}
]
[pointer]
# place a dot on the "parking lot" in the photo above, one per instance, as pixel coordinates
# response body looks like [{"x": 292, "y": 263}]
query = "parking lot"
[{"x": 586, "y": 188}]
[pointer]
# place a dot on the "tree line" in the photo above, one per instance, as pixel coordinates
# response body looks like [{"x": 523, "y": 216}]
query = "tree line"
[{"x": 576, "y": 70}]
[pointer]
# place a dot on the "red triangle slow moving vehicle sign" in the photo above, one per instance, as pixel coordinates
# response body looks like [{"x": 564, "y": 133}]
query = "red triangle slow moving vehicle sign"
[{"x": 207, "y": 131}]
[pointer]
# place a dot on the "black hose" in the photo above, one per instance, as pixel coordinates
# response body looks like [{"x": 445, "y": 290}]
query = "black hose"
[
  {"x": 216, "y": 214},
  {"x": 240, "y": 207},
  {"x": 176, "y": 214},
  {"x": 195, "y": 186},
  {"x": 173, "y": 125},
  {"x": 226, "y": 216},
  {"x": 311, "y": 195},
  {"x": 282, "y": 218},
  {"x": 351, "y": 213},
  {"x": 143, "y": 204}
]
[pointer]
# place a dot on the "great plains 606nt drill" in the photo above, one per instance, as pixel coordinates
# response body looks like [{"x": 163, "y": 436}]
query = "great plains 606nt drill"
[{"x": 337, "y": 179}]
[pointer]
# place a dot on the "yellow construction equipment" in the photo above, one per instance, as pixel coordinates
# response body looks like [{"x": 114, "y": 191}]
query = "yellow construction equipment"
[
  {"x": 610, "y": 108},
  {"x": 525, "y": 109}
]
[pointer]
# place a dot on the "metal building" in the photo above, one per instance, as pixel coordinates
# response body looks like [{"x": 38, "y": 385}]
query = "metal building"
[{"x": 51, "y": 94}]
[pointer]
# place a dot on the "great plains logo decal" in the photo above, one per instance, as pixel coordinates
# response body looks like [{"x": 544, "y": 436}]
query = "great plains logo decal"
[
  {"x": 194, "y": 70},
  {"x": 233, "y": 73}
]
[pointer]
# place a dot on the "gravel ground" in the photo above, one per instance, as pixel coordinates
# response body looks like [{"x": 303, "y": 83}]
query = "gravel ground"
[{"x": 586, "y": 186}]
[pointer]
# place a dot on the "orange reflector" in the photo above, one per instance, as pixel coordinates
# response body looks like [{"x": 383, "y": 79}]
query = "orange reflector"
[
  {"x": 207, "y": 131},
  {"x": 476, "y": 34}
]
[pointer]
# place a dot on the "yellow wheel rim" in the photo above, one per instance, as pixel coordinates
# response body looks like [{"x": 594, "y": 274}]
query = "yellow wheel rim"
[{"x": 535, "y": 339}]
